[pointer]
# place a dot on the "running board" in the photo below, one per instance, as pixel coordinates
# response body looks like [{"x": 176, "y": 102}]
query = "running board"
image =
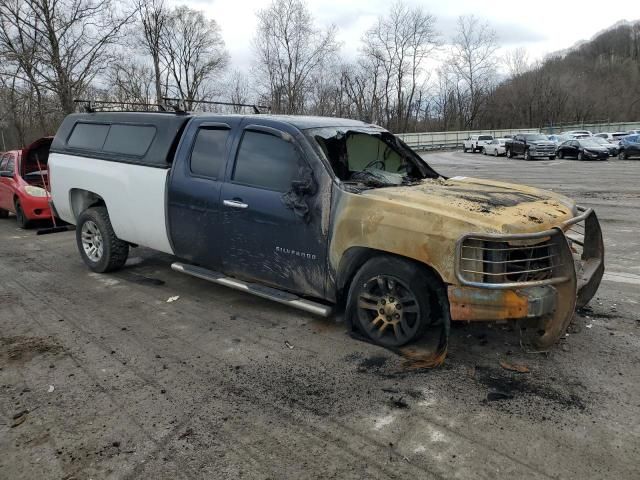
[{"x": 259, "y": 290}]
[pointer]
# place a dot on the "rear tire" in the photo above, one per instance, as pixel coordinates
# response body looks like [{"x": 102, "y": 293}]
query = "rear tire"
[
  {"x": 465, "y": 149},
  {"x": 560, "y": 155},
  {"x": 392, "y": 301},
  {"x": 508, "y": 153},
  {"x": 98, "y": 244},
  {"x": 622, "y": 155},
  {"x": 23, "y": 221},
  {"x": 495, "y": 152},
  {"x": 3, "y": 213},
  {"x": 527, "y": 155}
]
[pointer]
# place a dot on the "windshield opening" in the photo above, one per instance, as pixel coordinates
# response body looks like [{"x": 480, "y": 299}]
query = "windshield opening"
[{"x": 370, "y": 158}]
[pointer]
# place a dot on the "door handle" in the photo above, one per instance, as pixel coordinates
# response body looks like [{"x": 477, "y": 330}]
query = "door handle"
[{"x": 234, "y": 204}]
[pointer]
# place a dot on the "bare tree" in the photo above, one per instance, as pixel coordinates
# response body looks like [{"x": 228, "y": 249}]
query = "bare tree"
[
  {"x": 154, "y": 18},
  {"x": 516, "y": 61},
  {"x": 473, "y": 62},
  {"x": 289, "y": 50},
  {"x": 238, "y": 87},
  {"x": 68, "y": 41},
  {"x": 399, "y": 44},
  {"x": 131, "y": 81},
  {"x": 194, "y": 53}
]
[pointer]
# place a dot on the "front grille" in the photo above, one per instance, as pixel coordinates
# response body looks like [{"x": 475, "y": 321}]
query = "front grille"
[
  {"x": 575, "y": 236},
  {"x": 502, "y": 262},
  {"x": 546, "y": 150}
]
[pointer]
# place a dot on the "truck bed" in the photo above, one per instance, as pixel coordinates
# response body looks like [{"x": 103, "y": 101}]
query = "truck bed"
[{"x": 134, "y": 194}]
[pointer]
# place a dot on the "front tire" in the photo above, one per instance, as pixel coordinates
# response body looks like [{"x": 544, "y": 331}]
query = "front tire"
[
  {"x": 23, "y": 221},
  {"x": 527, "y": 155},
  {"x": 98, "y": 244},
  {"x": 509, "y": 153},
  {"x": 580, "y": 156},
  {"x": 4, "y": 213},
  {"x": 552, "y": 157},
  {"x": 622, "y": 155},
  {"x": 560, "y": 154},
  {"x": 465, "y": 149},
  {"x": 393, "y": 302}
]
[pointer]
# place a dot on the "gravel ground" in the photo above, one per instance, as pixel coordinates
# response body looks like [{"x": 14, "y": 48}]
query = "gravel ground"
[{"x": 101, "y": 377}]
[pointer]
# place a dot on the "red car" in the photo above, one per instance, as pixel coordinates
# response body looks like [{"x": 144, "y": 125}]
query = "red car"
[{"x": 23, "y": 179}]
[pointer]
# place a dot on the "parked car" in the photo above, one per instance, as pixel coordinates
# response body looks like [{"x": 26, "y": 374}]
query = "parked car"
[
  {"x": 530, "y": 145},
  {"x": 313, "y": 212},
  {"x": 633, "y": 132},
  {"x": 582, "y": 149},
  {"x": 23, "y": 183},
  {"x": 578, "y": 133},
  {"x": 475, "y": 143},
  {"x": 612, "y": 148},
  {"x": 613, "y": 137},
  {"x": 557, "y": 139},
  {"x": 629, "y": 146},
  {"x": 495, "y": 147}
]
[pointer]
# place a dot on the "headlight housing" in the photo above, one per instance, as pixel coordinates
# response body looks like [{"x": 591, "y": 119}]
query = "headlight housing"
[{"x": 35, "y": 191}]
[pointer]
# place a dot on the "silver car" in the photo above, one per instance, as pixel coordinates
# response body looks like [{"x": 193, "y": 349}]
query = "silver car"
[{"x": 495, "y": 147}]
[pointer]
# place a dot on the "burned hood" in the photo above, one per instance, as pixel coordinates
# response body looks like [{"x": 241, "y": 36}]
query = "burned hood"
[{"x": 482, "y": 205}]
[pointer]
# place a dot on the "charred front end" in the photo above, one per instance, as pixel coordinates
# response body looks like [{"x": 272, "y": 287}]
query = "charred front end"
[{"x": 537, "y": 278}]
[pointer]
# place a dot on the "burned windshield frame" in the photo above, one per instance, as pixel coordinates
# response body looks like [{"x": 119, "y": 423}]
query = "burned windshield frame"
[{"x": 317, "y": 136}]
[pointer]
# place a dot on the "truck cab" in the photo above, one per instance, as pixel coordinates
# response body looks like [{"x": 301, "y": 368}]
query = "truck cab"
[{"x": 322, "y": 213}]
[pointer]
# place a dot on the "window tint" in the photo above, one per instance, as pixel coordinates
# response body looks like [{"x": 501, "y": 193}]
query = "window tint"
[
  {"x": 265, "y": 161},
  {"x": 208, "y": 156},
  {"x": 3, "y": 163},
  {"x": 11, "y": 165},
  {"x": 129, "y": 139},
  {"x": 89, "y": 136}
]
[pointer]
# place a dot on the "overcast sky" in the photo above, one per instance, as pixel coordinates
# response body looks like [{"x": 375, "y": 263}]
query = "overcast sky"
[{"x": 542, "y": 27}]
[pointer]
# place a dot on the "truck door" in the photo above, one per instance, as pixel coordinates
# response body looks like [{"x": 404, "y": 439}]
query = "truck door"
[
  {"x": 194, "y": 193},
  {"x": 266, "y": 240}
]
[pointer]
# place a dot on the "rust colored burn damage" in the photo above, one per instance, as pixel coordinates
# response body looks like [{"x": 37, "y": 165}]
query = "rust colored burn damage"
[{"x": 470, "y": 304}]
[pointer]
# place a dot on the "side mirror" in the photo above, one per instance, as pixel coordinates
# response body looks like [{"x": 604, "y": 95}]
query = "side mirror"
[{"x": 7, "y": 174}]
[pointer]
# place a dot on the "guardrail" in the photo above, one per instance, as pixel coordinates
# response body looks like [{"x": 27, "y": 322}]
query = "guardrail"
[
  {"x": 450, "y": 140},
  {"x": 445, "y": 140}
]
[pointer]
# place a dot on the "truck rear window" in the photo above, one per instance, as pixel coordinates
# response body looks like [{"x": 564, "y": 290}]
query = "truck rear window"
[
  {"x": 209, "y": 152},
  {"x": 485, "y": 137},
  {"x": 133, "y": 140},
  {"x": 88, "y": 136}
]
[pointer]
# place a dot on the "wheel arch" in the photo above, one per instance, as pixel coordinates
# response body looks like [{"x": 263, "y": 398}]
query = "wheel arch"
[
  {"x": 355, "y": 257},
  {"x": 80, "y": 200}
]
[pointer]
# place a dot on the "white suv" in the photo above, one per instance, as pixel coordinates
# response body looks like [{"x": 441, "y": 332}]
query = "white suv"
[{"x": 476, "y": 143}]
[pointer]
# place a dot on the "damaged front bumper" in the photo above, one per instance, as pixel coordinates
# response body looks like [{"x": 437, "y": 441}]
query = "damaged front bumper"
[{"x": 538, "y": 279}]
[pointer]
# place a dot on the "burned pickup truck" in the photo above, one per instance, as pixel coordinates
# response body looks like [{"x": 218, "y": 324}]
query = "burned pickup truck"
[{"x": 323, "y": 212}]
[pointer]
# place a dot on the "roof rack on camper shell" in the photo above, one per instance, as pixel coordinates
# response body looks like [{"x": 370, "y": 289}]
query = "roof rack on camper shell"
[{"x": 169, "y": 105}]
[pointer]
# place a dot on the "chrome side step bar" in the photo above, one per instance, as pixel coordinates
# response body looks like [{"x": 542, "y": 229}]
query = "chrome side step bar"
[{"x": 259, "y": 290}]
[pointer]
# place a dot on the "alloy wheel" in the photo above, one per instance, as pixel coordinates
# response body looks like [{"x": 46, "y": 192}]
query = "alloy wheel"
[
  {"x": 389, "y": 310},
  {"x": 92, "y": 243}
]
